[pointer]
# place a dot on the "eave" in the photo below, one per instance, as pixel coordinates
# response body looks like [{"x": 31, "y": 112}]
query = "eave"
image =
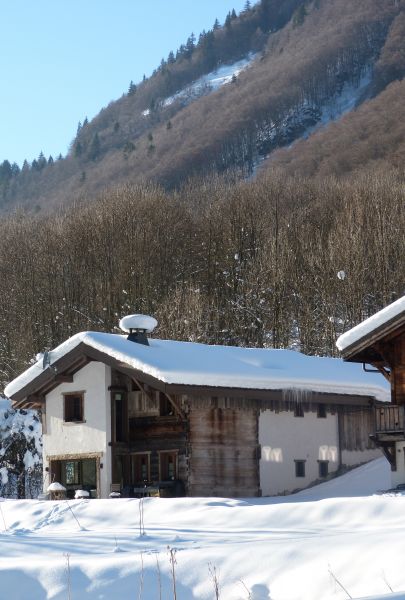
[
  {"x": 367, "y": 349},
  {"x": 33, "y": 394}
]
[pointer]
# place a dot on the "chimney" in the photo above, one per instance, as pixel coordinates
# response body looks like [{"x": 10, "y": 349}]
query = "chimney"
[{"x": 137, "y": 326}]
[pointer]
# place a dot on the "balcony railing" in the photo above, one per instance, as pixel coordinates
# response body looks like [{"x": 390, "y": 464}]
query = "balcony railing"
[{"x": 389, "y": 420}]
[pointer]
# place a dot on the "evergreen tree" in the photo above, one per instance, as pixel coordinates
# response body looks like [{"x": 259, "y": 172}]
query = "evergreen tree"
[
  {"x": 50, "y": 160},
  {"x": 95, "y": 147},
  {"x": 77, "y": 149},
  {"x": 79, "y": 126},
  {"x": 85, "y": 122},
  {"x": 181, "y": 52},
  {"x": 209, "y": 54},
  {"x": 247, "y": 6},
  {"x": 15, "y": 169},
  {"x": 41, "y": 161},
  {"x": 265, "y": 15},
  {"x": 216, "y": 25},
  {"x": 26, "y": 166},
  {"x": 116, "y": 127},
  {"x": 20, "y": 446},
  {"x": 132, "y": 89},
  {"x": 60, "y": 157},
  {"x": 171, "y": 59}
]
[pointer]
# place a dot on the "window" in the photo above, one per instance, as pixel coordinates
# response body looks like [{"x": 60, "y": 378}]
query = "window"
[
  {"x": 168, "y": 466},
  {"x": 73, "y": 408},
  {"x": 300, "y": 468},
  {"x": 140, "y": 468},
  {"x": 321, "y": 411},
  {"x": 72, "y": 472},
  {"x": 298, "y": 410},
  {"x": 323, "y": 468},
  {"x": 79, "y": 473}
]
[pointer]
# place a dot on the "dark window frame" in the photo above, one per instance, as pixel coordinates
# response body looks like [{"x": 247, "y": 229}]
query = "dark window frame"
[
  {"x": 323, "y": 467},
  {"x": 299, "y": 467},
  {"x": 136, "y": 467},
  {"x": 73, "y": 412},
  {"x": 164, "y": 468},
  {"x": 322, "y": 412},
  {"x": 298, "y": 410}
]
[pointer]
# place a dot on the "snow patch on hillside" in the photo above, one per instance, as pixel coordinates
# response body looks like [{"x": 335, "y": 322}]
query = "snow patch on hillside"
[
  {"x": 301, "y": 122},
  {"x": 208, "y": 83},
  {"x": 342, "y": 103}
]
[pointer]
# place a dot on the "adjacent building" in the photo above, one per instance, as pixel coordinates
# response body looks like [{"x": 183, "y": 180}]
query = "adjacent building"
[{"x": 379, "y": 341}]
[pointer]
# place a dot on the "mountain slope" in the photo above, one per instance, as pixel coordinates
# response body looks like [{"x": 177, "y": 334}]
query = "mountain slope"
[
  {"x": 306, "y": 57},
  {"x": 370, "y": 138}
]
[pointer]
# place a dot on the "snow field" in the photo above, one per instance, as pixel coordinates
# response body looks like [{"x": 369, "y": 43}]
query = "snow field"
[{"x": 286, "y": 548}]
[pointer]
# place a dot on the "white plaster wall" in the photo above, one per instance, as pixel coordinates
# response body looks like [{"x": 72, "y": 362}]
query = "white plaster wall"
[
  {"x": 284, "y": 438},
  {"x": 398, "y": 476},
  {"x": 91, "y": 436}
]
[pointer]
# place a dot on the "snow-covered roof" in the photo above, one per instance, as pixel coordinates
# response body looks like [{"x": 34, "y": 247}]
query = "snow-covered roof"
[
  {"x": 189, "y": 363},
  {"x": 371, "y": 324}
]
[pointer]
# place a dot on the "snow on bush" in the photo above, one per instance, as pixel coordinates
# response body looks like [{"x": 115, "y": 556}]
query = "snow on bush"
[{"x": 20, "y": 452}]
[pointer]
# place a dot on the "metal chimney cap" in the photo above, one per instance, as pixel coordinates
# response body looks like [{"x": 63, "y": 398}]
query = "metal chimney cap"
[{"x": 138, "y": 323}]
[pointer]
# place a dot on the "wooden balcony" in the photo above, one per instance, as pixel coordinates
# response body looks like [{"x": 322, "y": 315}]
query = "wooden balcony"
[{"x": 389, "y": 423}]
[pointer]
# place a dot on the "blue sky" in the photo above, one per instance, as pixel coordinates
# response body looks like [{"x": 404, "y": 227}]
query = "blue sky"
[{"x": 63, "y": 60}]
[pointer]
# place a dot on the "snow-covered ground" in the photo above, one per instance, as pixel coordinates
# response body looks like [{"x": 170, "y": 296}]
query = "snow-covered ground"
[
  {"x": 208, "y": 83},
  {"x": 303, "y": 547}
]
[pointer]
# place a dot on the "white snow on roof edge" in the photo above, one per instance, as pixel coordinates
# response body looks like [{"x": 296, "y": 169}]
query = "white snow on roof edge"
[
  {"x": 369, "y": 325},
  {"x": 193, "y": 364}
]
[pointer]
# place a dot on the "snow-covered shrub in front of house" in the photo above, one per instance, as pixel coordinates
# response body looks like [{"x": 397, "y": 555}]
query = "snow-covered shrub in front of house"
[{"x": 20, "y": 452}]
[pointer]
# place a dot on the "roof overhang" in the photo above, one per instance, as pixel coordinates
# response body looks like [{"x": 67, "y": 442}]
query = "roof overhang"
[
  {"x": 33, "y": 394},
  {"x": 369, "y": 347}
]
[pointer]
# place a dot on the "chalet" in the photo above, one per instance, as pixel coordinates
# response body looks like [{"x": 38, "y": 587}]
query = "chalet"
[
  {"x": 379, "y": 341},
  {"x": 138, "y": 415}
]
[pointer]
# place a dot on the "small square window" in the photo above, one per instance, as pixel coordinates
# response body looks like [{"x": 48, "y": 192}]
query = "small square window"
[
  {"x": 323, "y": 468},
  {"x": 73, "y": 408},
  {"x": 300, "y": 468},
  {"x": 168, "y": 466},
  {"x": 321, "y": 411},
  {"x": 298, "y": 410}
]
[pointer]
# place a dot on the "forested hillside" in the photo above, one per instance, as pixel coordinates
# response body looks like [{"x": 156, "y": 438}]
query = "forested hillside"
[
  {"x": 180, "y": 203},
  {"x": 307, "y": 55},
  {"x": 276, "y": 262}
]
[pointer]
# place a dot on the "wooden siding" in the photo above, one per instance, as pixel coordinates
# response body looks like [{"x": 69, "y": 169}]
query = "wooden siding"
[
  {"x": 355, "y": 427},
  {"x": 398, "y": 371},
  {"x": 223, "y": 459},
  {"x": 389, "y": 419}
]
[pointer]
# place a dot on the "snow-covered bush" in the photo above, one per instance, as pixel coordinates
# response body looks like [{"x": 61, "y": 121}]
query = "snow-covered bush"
[{"x": 20, "y": 452}]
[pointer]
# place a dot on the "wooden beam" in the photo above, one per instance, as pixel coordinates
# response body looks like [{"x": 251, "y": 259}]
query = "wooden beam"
[
  {"x": 389, "y": 453},
  {"x": 63, "y": 378},
  {"x": 143, "y": 387},
  {"x": 176, "y": 408}
]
